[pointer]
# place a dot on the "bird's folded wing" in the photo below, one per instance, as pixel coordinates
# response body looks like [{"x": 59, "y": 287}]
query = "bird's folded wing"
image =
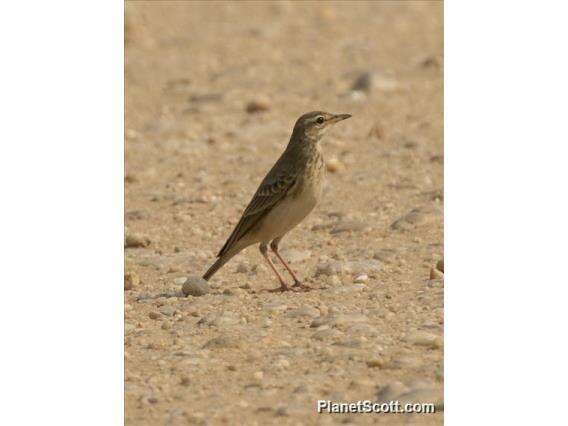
[{"x": 270, "y": 192}]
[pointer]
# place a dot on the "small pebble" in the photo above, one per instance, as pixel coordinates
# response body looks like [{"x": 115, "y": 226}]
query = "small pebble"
[
  {"x": 435, "y": 274},
  {"x": 154, "y": 315},
  {"x": 377, "y": 363},
  {"x": 223, "y": 342},
  {"x": 306, "y": 311},
  {"x": 242, "y": 268},
  {"x": 180, "y": 280},
  {"x": 440, "y": 265},
  {"x": 258, "y": 105},
  {"x": 131, "y": 280},
  {"x": 168, "y": 311},
  {"x": 361, "y": 278},
  {"x": 195, "y": 286},
  {"x": 350, "y": 225},
  {"x": 334, "y": 165},
  {"x": 135, "y": 241},
  {"x": 423, "y": 338},
  {"x": 275, "y": 307}
]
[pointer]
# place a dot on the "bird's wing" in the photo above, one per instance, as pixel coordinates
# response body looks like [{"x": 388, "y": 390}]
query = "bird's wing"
[{"x": 272, "y": 189}]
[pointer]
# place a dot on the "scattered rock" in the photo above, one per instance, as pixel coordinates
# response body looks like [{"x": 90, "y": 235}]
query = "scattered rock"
[
  {"x": 377, "y": 362},
  {"x": 424, "y": 395},
  {"x": 282, "y": 363},
  {"x": 361, "y": 278},
  {"x": 364, "y": 83},
  {"x": 306, "y": 311},
  {"x": 386, "y": 255},
  {"x": 195, "y": 286},
  {"x": 322, "y": 226},
  {"x": 327, "y": 334},
  {"x": 335, "y": 267},
  {"x": 168, "y": 311},
  {"x": 223, "y": 342},
  {"x": 415, "y": 217},
  {"x": 222, "y": 319},
  {"x": 206, "y": 97},
  {"x": 275, "y": 307},
  {"x": 349, "y": 288},
  {"x": 364, "y": 266},
  {"x": 135, "y": 215},
  {"x": 331, "y": 267},
  {"x": 338, "y": 319},
  {"x": 391, "y": 391},
  {"x": 349, "y": 226},
  {"x": 334, "y": 281},
  {"x": 429, "y": 61},
  {"x": 135, "y": 241},
  {"x": 440, "y": 265},
  {"x": 334, "y": 165},
  {"x": 180, "y": 280},
  {"x": 435, "y": 274},
  {"x": 423, "y": 338},
  {"x": 407, "y": 362},
  {"x": 242, "y": 268},
  {"x": 369, "y": 81},
  {"x": 258, "y": 105},
  {"x": 131, "y": 280},
  {"x": 235, "y": 291}
]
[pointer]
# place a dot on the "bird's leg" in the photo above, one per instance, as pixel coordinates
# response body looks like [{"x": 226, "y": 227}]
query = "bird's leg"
[
  {"x": 297, "y": 282},
  {"x": 264, "y": 252}
]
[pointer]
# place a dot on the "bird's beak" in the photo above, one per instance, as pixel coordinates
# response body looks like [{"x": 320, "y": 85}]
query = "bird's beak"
[{"x": 339, "y": 117}]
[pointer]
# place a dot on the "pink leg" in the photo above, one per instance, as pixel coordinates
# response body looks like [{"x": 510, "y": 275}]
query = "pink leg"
[
  {"x": 297, "y": 282},
  {"x": 283, "y": 286}
]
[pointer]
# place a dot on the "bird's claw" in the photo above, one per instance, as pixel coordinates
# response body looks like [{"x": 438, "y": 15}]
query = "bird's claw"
[{"x": 298, "y": 286}]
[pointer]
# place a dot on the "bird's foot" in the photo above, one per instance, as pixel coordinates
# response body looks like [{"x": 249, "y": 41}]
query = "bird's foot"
[
  {"x": 298, "y": 286},
  {"x": 283, "y": 287}
]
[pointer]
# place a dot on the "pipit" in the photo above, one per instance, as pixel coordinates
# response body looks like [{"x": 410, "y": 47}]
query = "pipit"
[{"x": 288, "y": 193}]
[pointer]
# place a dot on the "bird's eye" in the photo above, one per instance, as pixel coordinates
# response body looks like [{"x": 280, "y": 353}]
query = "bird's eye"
[{"x": 320, "y": 120}]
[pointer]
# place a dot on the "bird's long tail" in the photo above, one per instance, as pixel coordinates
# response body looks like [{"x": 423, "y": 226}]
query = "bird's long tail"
[{"x": 217, "y": 265}]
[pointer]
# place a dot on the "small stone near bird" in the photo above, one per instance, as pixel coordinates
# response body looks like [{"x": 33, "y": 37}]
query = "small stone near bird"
[
  {"x": 435, "y": 274},
  {"x": 131, "y": 280},
  {"x": 136, "y": 241},
  {"x": 364, "y": 83},
  {"x": 440, "y": 265},
  {"x": 334, "y": 165},
  {"x": 369, "y": 81},
  {"x": 258, "y": 105},
  {"x": 195, "y": 286}
]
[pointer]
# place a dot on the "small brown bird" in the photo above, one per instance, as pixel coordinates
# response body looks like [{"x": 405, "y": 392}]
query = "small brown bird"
[{"x": 288, "y": 193}]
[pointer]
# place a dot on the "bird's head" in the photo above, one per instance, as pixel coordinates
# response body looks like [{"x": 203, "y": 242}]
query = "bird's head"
[{"x": 313, "y": 125}]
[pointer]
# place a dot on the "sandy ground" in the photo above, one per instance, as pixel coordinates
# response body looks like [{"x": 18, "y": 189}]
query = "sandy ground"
[{"x": 372, "y": 327}]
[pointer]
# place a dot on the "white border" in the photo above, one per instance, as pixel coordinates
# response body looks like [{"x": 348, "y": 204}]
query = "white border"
[{"x": 61, "y": 237}]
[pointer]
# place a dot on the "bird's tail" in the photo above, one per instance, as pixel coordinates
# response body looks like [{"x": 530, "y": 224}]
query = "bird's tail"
[{"x": 216, "y": 266}]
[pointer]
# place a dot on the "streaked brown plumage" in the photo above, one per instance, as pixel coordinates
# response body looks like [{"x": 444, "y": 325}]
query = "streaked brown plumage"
[{"x": 288, "y": 193}]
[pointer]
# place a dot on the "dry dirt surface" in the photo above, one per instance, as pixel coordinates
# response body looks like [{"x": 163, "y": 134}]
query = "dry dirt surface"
[{"x": 212, "y": 93}]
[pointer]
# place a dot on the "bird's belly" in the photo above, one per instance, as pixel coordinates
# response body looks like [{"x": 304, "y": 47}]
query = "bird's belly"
[{"x": 290, "y": 212}]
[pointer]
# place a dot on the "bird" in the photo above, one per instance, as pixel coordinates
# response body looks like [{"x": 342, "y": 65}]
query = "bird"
[{"x": 287, "y": 194}]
